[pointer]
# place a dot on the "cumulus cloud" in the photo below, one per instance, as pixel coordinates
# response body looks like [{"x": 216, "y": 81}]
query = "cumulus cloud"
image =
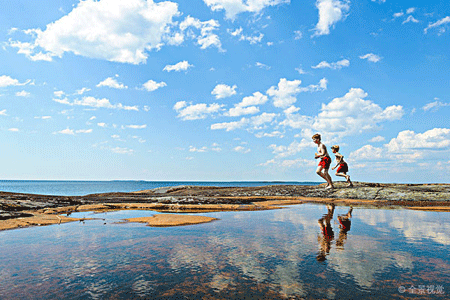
[
  {"x": 284, "y": 95},
  {"x": 96, "y": 103},
  {"x": 113, "y": 30},
  {"x": 439, "y": 23},
  {"x": 3, "y": 112},
  {"x": 240, "y": 111},
  {"x": 435, "y": 139},
  {"x": 334, "y": 65},
  {"x": 112, "y": 83},
  {"x": 195, "y": 111},
  {"x": 371, "y": 57},
  {"x": 368, "y": 153},
  {"x": 353, "y": 114},
  {"x": 235, "y": 7},
  {"x": 224, "y": 91},
  {"x": 206, "y": 38},
  {"x": 178, "y": 67},
  {"x": 330, "y": 12},
  {"x": 152, "y": 85},
  {"x": 256, "y": 99}
]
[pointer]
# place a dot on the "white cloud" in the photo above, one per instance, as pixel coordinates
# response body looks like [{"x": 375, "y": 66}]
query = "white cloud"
[
  {"x": 368, "y": 153},
  {"x": 120, "y": 150},
  {"x": 275, "y": 133},
  {"x": 6, "y": 81},
  {"x": 224, "y": 91},
  {"x": 398, "y": 15},
  {"x": 230, "y": 126},
  {"x": 112, "y": 83},
  {"x": 434, "y": 139},
  {"x": 410, "y": 19},
  {"x": 83, "y": 131},
  {"x": 240, "y": 111},
  {"x": 14, "y": 129},
  {"x": 256, "y": 99},
  {"x": 263, "y": 118},
  {"x": 136, "y": 126},
  {"x": 352, "y": 114},
  {"x": 241, "y": 149},
  {"x": 441, "y": 22},
  {"x": 377, "y": 139},
  {"x": 298, "y": 35},
  {"x": 371, "y": 57},
  {"x": 294, "y": 148},
  {"x": 330, "y": 12},
  {"x": 195, "y": 111},
  {"x": 410, "y": 10},
  {"x": 242, "y": 37},
  {"x": 194, "y": 149},
  {"x": 181, "y": 66},
  {"x": 235, "y": 7},
  {"x": 284, "y": 95},
  {"x": 58, "y": 94},
  {"x": 206, "y": 38},
  {"x": 79, "y": 92},
  {"x": 152, "y": 85},
  {"x": 23, "y": 94},
  {"x": 102, "y": 124},
  {"x": 435, "y": 105},
  {"x": 113, "y": 30},
  {"x": 262, "y": 66},
  {"x": 67, "y": 131},
  {"x": 96, "y": 103},
  {"x": 43, "y": 117},
  {"x": 334, "y": 65}
]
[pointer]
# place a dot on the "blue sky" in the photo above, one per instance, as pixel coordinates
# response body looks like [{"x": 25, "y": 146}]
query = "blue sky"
[{"x": 224, "y": 89}]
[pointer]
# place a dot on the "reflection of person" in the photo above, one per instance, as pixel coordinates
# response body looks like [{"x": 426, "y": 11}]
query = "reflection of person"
[
  {"x": 327, "y": 233},
  {"x": 343, "y": 167},
  {"x": 325, "y": 161},
  {"x": 344, "y": 225}
]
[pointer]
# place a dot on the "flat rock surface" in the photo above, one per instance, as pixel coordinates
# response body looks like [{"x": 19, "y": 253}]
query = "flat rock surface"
[{"x": 16, "y": 205}]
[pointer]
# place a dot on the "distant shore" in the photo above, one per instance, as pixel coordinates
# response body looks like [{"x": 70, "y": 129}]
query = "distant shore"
[{"x": 24, "y": 210}]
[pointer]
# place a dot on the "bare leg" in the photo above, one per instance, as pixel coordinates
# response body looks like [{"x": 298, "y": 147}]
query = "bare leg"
[{"x": 328, "y": 178}]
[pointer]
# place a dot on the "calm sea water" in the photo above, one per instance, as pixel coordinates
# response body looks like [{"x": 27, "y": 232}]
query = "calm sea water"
[
  {"x": 303, "y": 251},
  {"x": 80, "y": 188}
]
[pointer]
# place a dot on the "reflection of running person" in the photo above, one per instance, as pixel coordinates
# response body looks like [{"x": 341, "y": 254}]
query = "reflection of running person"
[
  {"x": 344, "y": 225},
  {"x": 343, "y": 167},
  {"x": 325, "y": 161},
  {"x": 327, "y": 233}
]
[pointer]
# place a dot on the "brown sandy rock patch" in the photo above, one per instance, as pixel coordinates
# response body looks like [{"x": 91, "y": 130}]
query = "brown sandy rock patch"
[{"x": 164, "y": 220}]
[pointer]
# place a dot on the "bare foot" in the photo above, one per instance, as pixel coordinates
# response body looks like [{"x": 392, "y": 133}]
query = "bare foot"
[{"x": 329, "y": 187}]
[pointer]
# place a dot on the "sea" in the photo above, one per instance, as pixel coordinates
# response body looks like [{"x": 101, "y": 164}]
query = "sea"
[{"x": 81, "y": 188}]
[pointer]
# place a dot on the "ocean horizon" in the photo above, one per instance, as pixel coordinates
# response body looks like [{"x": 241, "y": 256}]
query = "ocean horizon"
[{"x": 86, "y": 187}]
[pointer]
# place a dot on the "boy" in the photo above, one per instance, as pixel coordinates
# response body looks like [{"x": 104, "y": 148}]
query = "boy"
[
  {"x": 325, "y": 161},
  {"x": 343, "y": 167}
]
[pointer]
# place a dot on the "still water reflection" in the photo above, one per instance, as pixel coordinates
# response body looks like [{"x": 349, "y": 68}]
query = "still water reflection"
[{"x": 303, "y": 251}]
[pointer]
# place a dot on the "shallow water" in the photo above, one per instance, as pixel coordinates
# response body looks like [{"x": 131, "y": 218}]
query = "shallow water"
[{"x": 277, "y": 254}]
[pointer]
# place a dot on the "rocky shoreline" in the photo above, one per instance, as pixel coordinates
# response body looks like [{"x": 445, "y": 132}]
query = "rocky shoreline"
[{"x": 15, "y": 206}]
